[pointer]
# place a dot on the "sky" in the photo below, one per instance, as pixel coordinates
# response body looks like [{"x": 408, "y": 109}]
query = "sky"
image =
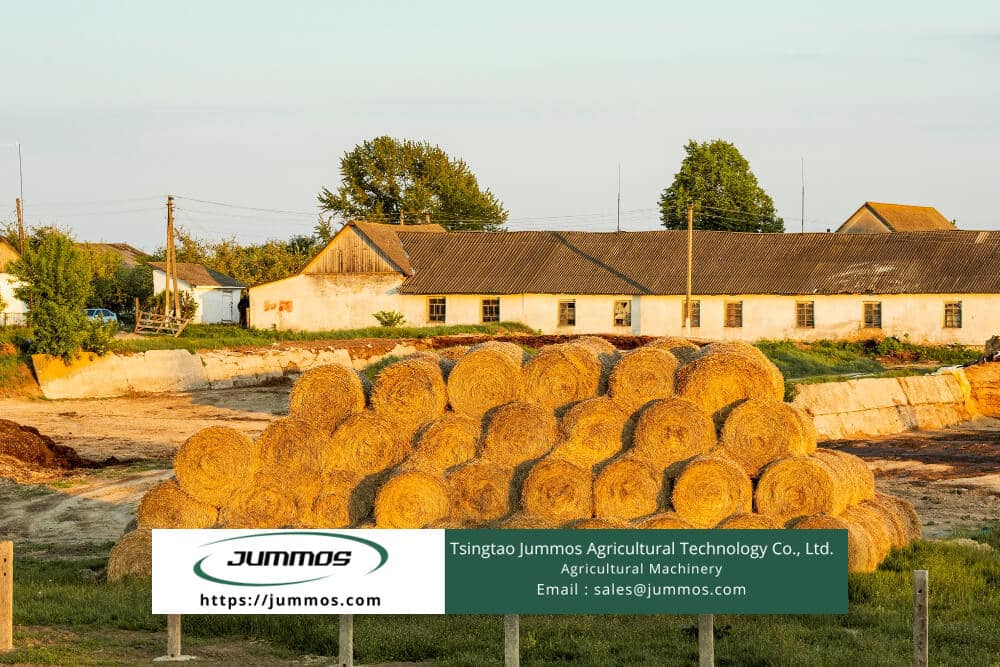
[{"x": 252, "y": 104}]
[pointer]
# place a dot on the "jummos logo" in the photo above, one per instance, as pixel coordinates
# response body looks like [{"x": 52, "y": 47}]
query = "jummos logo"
[{"x": 268, "y": 559}]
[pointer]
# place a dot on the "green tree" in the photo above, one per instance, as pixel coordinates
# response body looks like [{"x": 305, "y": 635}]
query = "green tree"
[
  {"x": 385, "y": 176},
  {"x": 56, "y": 282},
  {"x": 717, "y": 180}
]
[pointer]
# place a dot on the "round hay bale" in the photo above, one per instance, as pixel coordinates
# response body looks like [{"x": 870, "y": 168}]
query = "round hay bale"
[
  {"x": 758, "y": 432},
  {"x": 597, "y": 344},
  {"x": 512, "y": 350},
  {"x": 214, "y": 463},
  {"x": 453, "y": 353},
  {"x": 749, "y": 520},
  {"x": 598, "y": 524},
  {"x": 410, "y": 393},
  {"x": 682, "y": 349},
  {"x": 327, "y": 395},
  {"x": 562, "y": 374},
  {"x": 333, "y": 507},
  {"x": 297, "y": 447},
  {"x": 132, "y": 556},
  {"x": 167, "y": 506},
  {"x": 368, "y": 443},
  {"x": 268, "y": 503},
  {"x": 751, "y": 352},
  {"x": 558, "y": 490},
  {"x": 518, "y": 432},
  {"x": 592, "y": 431},
  {"x": 627, "y": 488},
  {"x": 521, "y": 521},
  {"x": 482, "y": 380},
  {"x": 863, "y": 479},
  {"x": 861, "y": 556},
  {"x": 412, "y": 498},
  {"x": 911, "y": 520},
  {"x": 897, "y": 526},
  {"x": 448, "y": 441},
  {"x": 480, "y": 492},
  {"x": 800, "y": 486},
  {"x": 663, "y": 520},
  {"x": 718, "y": 382},
  {"x": 642, "y": 375},
  {"x": 709, "y": 488},
  {"x": 672, "y": 430},
  {"x": 845, "y": 474},
  {"x": 872, "y": 521}
]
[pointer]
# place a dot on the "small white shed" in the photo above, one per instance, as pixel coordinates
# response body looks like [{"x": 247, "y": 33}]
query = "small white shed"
[{"x": 217, "y": 295}]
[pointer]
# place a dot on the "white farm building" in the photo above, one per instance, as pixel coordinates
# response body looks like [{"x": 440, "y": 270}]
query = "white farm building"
[
  {"x": 13, "y": 311},
  {"x": 932, "y": 286},
  {"x": 217, "y": 295}
]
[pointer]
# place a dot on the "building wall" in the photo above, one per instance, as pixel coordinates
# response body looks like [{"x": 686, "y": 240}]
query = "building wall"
[
  {"x": 15, "y": 308},
  {"x": 327, "y": 301},
  {"x": 863, "y": 222},
  {"x": 350, "y": 252}
]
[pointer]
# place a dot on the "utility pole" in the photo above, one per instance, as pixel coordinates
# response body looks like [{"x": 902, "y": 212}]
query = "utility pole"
[
  {"x": 20, "y": 226},
  {"x": 803, "y": 195},
  {"x": 619, "y": 226},
  {"x": 173, "y": 254},
  {"x": 687, "y": 303}
]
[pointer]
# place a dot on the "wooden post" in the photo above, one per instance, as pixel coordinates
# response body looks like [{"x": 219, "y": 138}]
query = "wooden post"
[
  {"x": 687, "y": 304},
  {"x": 173, "y": 253},
  {"x": 6, "y": 596},
  {"x": 345, "y": 647},
  {"x": 920, "y": 618},
  {"x": 706, "y": 640},
  {"x": 511, "y": 640},
  {"x": 173, "y": 635}
]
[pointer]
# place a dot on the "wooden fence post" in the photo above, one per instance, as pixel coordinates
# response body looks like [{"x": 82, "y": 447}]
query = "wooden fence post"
[
  {"x": 173, "y": 635},
  {"x": 511, "y": 640},
  {"x": 706, "y": 640},
  {"x": 6, "y": 596},
  {"x": 345, "y": 646},
  {"x": 920, "y": 618}
]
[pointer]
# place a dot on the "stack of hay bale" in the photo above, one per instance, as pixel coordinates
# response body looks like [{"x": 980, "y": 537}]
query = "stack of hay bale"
[{"x": 578, "y": 435}]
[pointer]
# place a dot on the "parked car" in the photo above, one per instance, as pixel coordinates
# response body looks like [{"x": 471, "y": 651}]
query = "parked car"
[{"x": 103, "y": 314}]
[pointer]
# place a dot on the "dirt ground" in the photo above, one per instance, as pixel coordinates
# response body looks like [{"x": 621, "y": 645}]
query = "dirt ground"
[{"x": 951, "y": 476}]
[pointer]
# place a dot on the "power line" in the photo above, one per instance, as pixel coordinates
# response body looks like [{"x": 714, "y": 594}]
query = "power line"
[{"x": 248, "y": 208}]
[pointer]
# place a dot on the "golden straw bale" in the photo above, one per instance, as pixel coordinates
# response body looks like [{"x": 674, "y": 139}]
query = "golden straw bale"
[
  {"x": 512, "y": 350},
  {"x": 627, "y": 488},
  {"x": 846, "y": 474},
  {"x": 518, "y": 432},
  {"x": 913, "y": 529},
  {"x": 562, "y": 374},
  {"x": 599, "y": 524},
  {"x": 295, "y": 446},
  {"x": 672, "y": 430},
  {"x": 448, "y": 441},
  {"x": 523, "y": 521},
  {"x": 751, "y": 352},
  {"x": 268, "y": 503},
  {"x": 709, "y": 488},
  {"x": 861, "y": 555},
  {"x": 167, "y": 506},
  {"x": 334, "y": 506},
  {"x": 663, "y": 520},
  {"x": 132, "y": 556},
  {"x": 592, "y": 431},
  {"x": 410, "y": 393},
  {"x": 800, "y": 486},
  {"x": 718, "y": 382},
  {"x": 863, "y": 479},
  {"x": 214, "y": 463},
  {"x": 597, "y": 344},
  {"x": 871, "y": 519},
  {"x": 642, "y": 375},
  {"x": 897, "y": 526},
  {"x": 453, "y": 353},
  {"x": 682, "y": 349},
  {"x": 558, "y": 490},
  {"x": 368, "y": 443},
  {"x": 326, "y": 395},
  {"x": 483, "y": 379},
  {"x": 758, "y": 432},
  {"x": 749, "y": 520},
  {"x": 480, "y": 491},
  {"x": 412, "y": 498}
]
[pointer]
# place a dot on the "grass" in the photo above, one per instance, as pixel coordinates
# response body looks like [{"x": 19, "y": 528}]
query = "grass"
[
  {"x": 215, "y": 336},
  {"x": 68, "y": 596},
  {"x": 824, "y": 358}
]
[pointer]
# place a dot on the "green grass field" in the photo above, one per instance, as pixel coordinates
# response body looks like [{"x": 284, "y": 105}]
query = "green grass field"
[{"x": 65, "y": 614}]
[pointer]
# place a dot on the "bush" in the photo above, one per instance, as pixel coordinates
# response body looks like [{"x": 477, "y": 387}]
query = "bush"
[
  {"x": 189, "y": 306},
  {"x": 98, "y": 336},
  {"x": 56, "y": 282},
  {"x": 389, "y": 318}
]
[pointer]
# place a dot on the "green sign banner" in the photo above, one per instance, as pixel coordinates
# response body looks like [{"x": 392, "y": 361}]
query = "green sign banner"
[{"x": 646, "y": 571}]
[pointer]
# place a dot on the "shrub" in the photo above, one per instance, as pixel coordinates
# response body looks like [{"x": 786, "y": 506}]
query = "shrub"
[
  {"x": 389, "y": 318},
  {"x": 189, "y": 306},
  {"x": 98, "y": 336}
]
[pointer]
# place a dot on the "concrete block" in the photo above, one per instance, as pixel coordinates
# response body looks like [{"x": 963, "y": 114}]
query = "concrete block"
[{"x": 930, "y": 389}]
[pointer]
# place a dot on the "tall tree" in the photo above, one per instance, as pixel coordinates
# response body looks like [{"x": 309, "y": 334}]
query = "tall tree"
[
  {"x": 385, "y": 177},
  {"x": 717, "y": 180}
]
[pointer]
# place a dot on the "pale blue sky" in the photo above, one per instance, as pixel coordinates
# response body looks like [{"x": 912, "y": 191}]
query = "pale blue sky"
[{"x": 253, "y": 103}]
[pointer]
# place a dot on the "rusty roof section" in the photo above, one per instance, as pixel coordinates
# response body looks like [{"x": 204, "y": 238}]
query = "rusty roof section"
[
  {"x": 199, "y": 275},
  {"x": 906, "y": 218},
  {"x": 655, "y": 262},
  {"x": 385, "y": 238}
]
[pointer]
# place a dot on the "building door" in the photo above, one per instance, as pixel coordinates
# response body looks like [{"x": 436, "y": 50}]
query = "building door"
[{"x": 227, "y": 307}]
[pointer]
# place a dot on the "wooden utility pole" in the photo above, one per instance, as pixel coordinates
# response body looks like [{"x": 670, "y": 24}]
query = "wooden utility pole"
[
  {"x": 170, "y": 230},
  {"x": 687, "y": 302},
  {"x": 173, "y": 255},
  {"x": 20, "y": 226}
]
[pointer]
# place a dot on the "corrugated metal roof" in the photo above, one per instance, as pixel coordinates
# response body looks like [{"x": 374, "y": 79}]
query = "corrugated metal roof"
[{"x": 655, "y": 262}]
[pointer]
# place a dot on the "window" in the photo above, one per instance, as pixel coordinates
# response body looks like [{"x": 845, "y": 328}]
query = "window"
[
  {"x": 491, "y": 310},
  {"x": 805, "y": 315},
  {"x": 873, "y": 314},
  {"x": 695, "y": 313},
  {"x": 567, "y": 313},
  {"x": 436, "y": 309},
  {"x": 734, "y": 314},
  {"x": 623, "y": 313},
  {"x": 953, "y": 315}
]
